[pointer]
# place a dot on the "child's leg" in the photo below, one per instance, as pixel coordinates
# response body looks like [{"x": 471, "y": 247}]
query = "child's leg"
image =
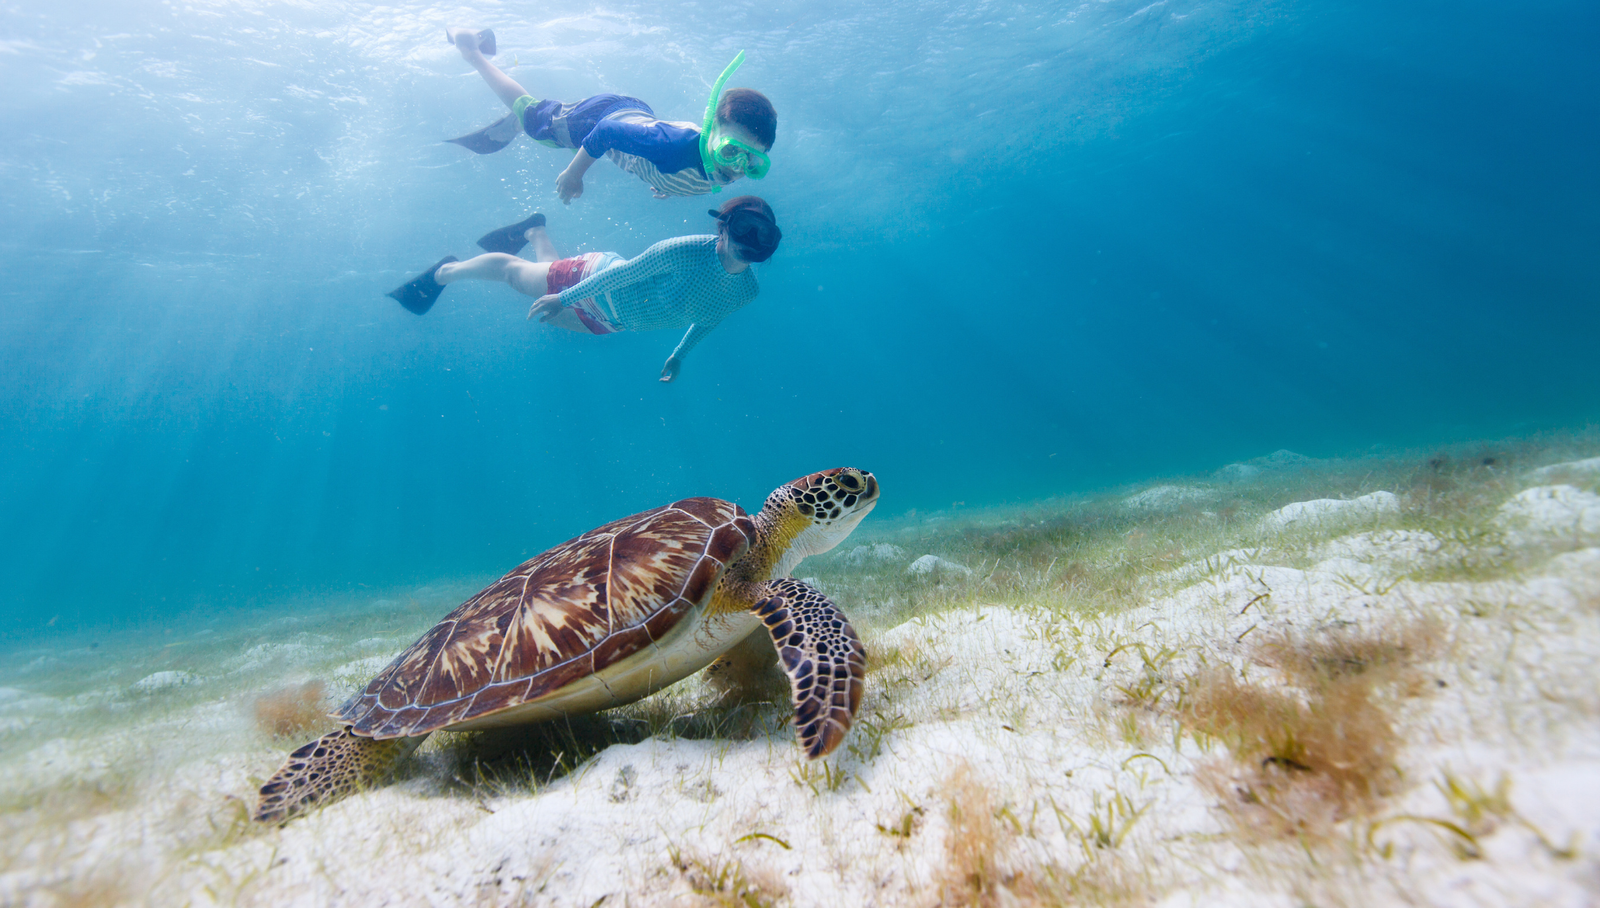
[
  {"x": 544, "y": 251},
  {"x": 505, "y": 87},
  {"x": 524, "y": 276}
]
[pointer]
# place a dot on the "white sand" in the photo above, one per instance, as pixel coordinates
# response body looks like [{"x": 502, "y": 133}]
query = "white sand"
[
  {"x": 1008, "y": 734},
  {"x": 1330, "y": 510},
  {"x": 1167, "y": 496},
  {"x": 933, "y": 565},
  {"x": 1588, "y": 468}
]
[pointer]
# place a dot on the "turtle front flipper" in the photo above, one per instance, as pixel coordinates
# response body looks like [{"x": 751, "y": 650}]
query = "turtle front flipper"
[
  {"x": 332, "y": 767},
  {"x": 821, "y": 654}
]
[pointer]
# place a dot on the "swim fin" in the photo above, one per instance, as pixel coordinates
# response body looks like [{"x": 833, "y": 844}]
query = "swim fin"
[
  {"x": 493, "y": 137},
  {"x": 485, "y": 38},
  {"x": 510, "y": 240},
  {"x": 419, "y": 294}
]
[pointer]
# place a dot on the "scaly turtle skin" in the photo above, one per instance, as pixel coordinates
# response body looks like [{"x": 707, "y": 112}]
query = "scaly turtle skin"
[{"x": 605, "y": 619}]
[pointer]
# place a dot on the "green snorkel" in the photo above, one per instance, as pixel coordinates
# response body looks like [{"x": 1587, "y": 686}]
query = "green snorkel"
[{"x": 711, "y": 114}]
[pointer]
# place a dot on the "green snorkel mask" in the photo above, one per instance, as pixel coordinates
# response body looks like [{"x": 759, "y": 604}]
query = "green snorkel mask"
[{"x": 726, "y": 151}]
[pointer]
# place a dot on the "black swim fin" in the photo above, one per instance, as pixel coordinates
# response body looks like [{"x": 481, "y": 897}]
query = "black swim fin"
[
  {"x": 485, "y": 38},
  {"x": 510, "y": 240},
  {"x": 419, "y": 294},
  {"x": 493, "y": 137}
]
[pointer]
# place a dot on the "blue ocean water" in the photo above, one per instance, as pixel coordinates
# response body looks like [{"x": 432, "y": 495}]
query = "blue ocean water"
[{"x": 1029, "y": 249}]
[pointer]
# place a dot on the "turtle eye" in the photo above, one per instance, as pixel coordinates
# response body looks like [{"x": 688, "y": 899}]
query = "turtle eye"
[{"x": 850, "y": 482}]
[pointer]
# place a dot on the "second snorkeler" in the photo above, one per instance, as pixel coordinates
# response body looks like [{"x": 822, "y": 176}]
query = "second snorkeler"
[{"x": 691, "y": 282}]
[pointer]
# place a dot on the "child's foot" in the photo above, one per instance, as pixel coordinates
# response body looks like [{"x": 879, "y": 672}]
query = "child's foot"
[
  {"x": 510, "y": 240},
  {"x": 420, "y": 293},
  {"x": 533, "y": 232},
  {"x": 472, "y": 42}
]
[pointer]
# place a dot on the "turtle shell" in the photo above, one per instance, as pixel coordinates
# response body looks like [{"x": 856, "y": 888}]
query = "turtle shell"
[{"x": 559, "y": 617}]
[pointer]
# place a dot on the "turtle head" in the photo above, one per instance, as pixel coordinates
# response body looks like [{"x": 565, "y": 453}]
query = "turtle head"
[{"x": 815, "y": 513}]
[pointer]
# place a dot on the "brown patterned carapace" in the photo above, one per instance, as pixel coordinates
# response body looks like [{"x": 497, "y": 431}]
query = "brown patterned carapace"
[{"x": 564, "y": 615}]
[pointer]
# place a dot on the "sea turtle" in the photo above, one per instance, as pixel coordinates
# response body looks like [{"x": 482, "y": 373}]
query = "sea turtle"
[{"x": 605, "y": 619}]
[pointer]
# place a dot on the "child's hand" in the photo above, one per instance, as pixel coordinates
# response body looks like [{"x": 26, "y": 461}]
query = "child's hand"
[
  {"x": 670, "y": 370},
  {"x": 569, "y": 185},
  {"x": 546, "y": 307}
]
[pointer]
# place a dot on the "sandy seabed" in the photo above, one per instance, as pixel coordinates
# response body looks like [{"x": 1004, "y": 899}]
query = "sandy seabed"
[{"x": 1290, "y": 682}]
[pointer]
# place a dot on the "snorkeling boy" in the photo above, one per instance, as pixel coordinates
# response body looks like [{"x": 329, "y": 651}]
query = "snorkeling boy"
[
  {"x": 687, "y": 281},
  {"x": 674, "y": 158}
]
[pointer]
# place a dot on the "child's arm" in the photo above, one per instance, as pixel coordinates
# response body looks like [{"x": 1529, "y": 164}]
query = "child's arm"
[
  {"x": 549, "y": 310},
  {"x": 671, "y": 148},
  {"x": 569, "y": 185},
  {"x": 695, "y": 334}
]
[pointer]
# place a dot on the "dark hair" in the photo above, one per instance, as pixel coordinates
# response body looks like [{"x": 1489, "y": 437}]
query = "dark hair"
[
  {"x": 753, "y": 203},
  {"x": 751, "y": 109},
  {"x": 751, "y": 225}
]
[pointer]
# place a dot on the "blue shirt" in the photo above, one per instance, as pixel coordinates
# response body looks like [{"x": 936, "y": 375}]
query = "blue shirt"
[{"x": 670, "y": 147}]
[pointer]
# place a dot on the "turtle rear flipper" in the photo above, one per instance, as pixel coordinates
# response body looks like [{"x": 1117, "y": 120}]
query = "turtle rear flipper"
[
  {"x": 823, "y": 657},
  {"x": 332, "y": 767},
  {"x": 748, "y": 673}
]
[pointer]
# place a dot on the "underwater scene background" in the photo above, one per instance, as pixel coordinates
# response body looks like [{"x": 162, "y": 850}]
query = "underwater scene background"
[{"x": 1030, "y": 250}]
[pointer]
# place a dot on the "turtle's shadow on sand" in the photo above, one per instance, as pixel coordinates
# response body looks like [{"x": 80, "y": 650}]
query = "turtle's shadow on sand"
[{"x": 525, "y": 759}]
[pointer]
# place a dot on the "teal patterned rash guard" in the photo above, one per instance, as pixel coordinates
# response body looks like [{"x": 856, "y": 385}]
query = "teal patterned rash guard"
[{"x": 676, "y": 282}]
